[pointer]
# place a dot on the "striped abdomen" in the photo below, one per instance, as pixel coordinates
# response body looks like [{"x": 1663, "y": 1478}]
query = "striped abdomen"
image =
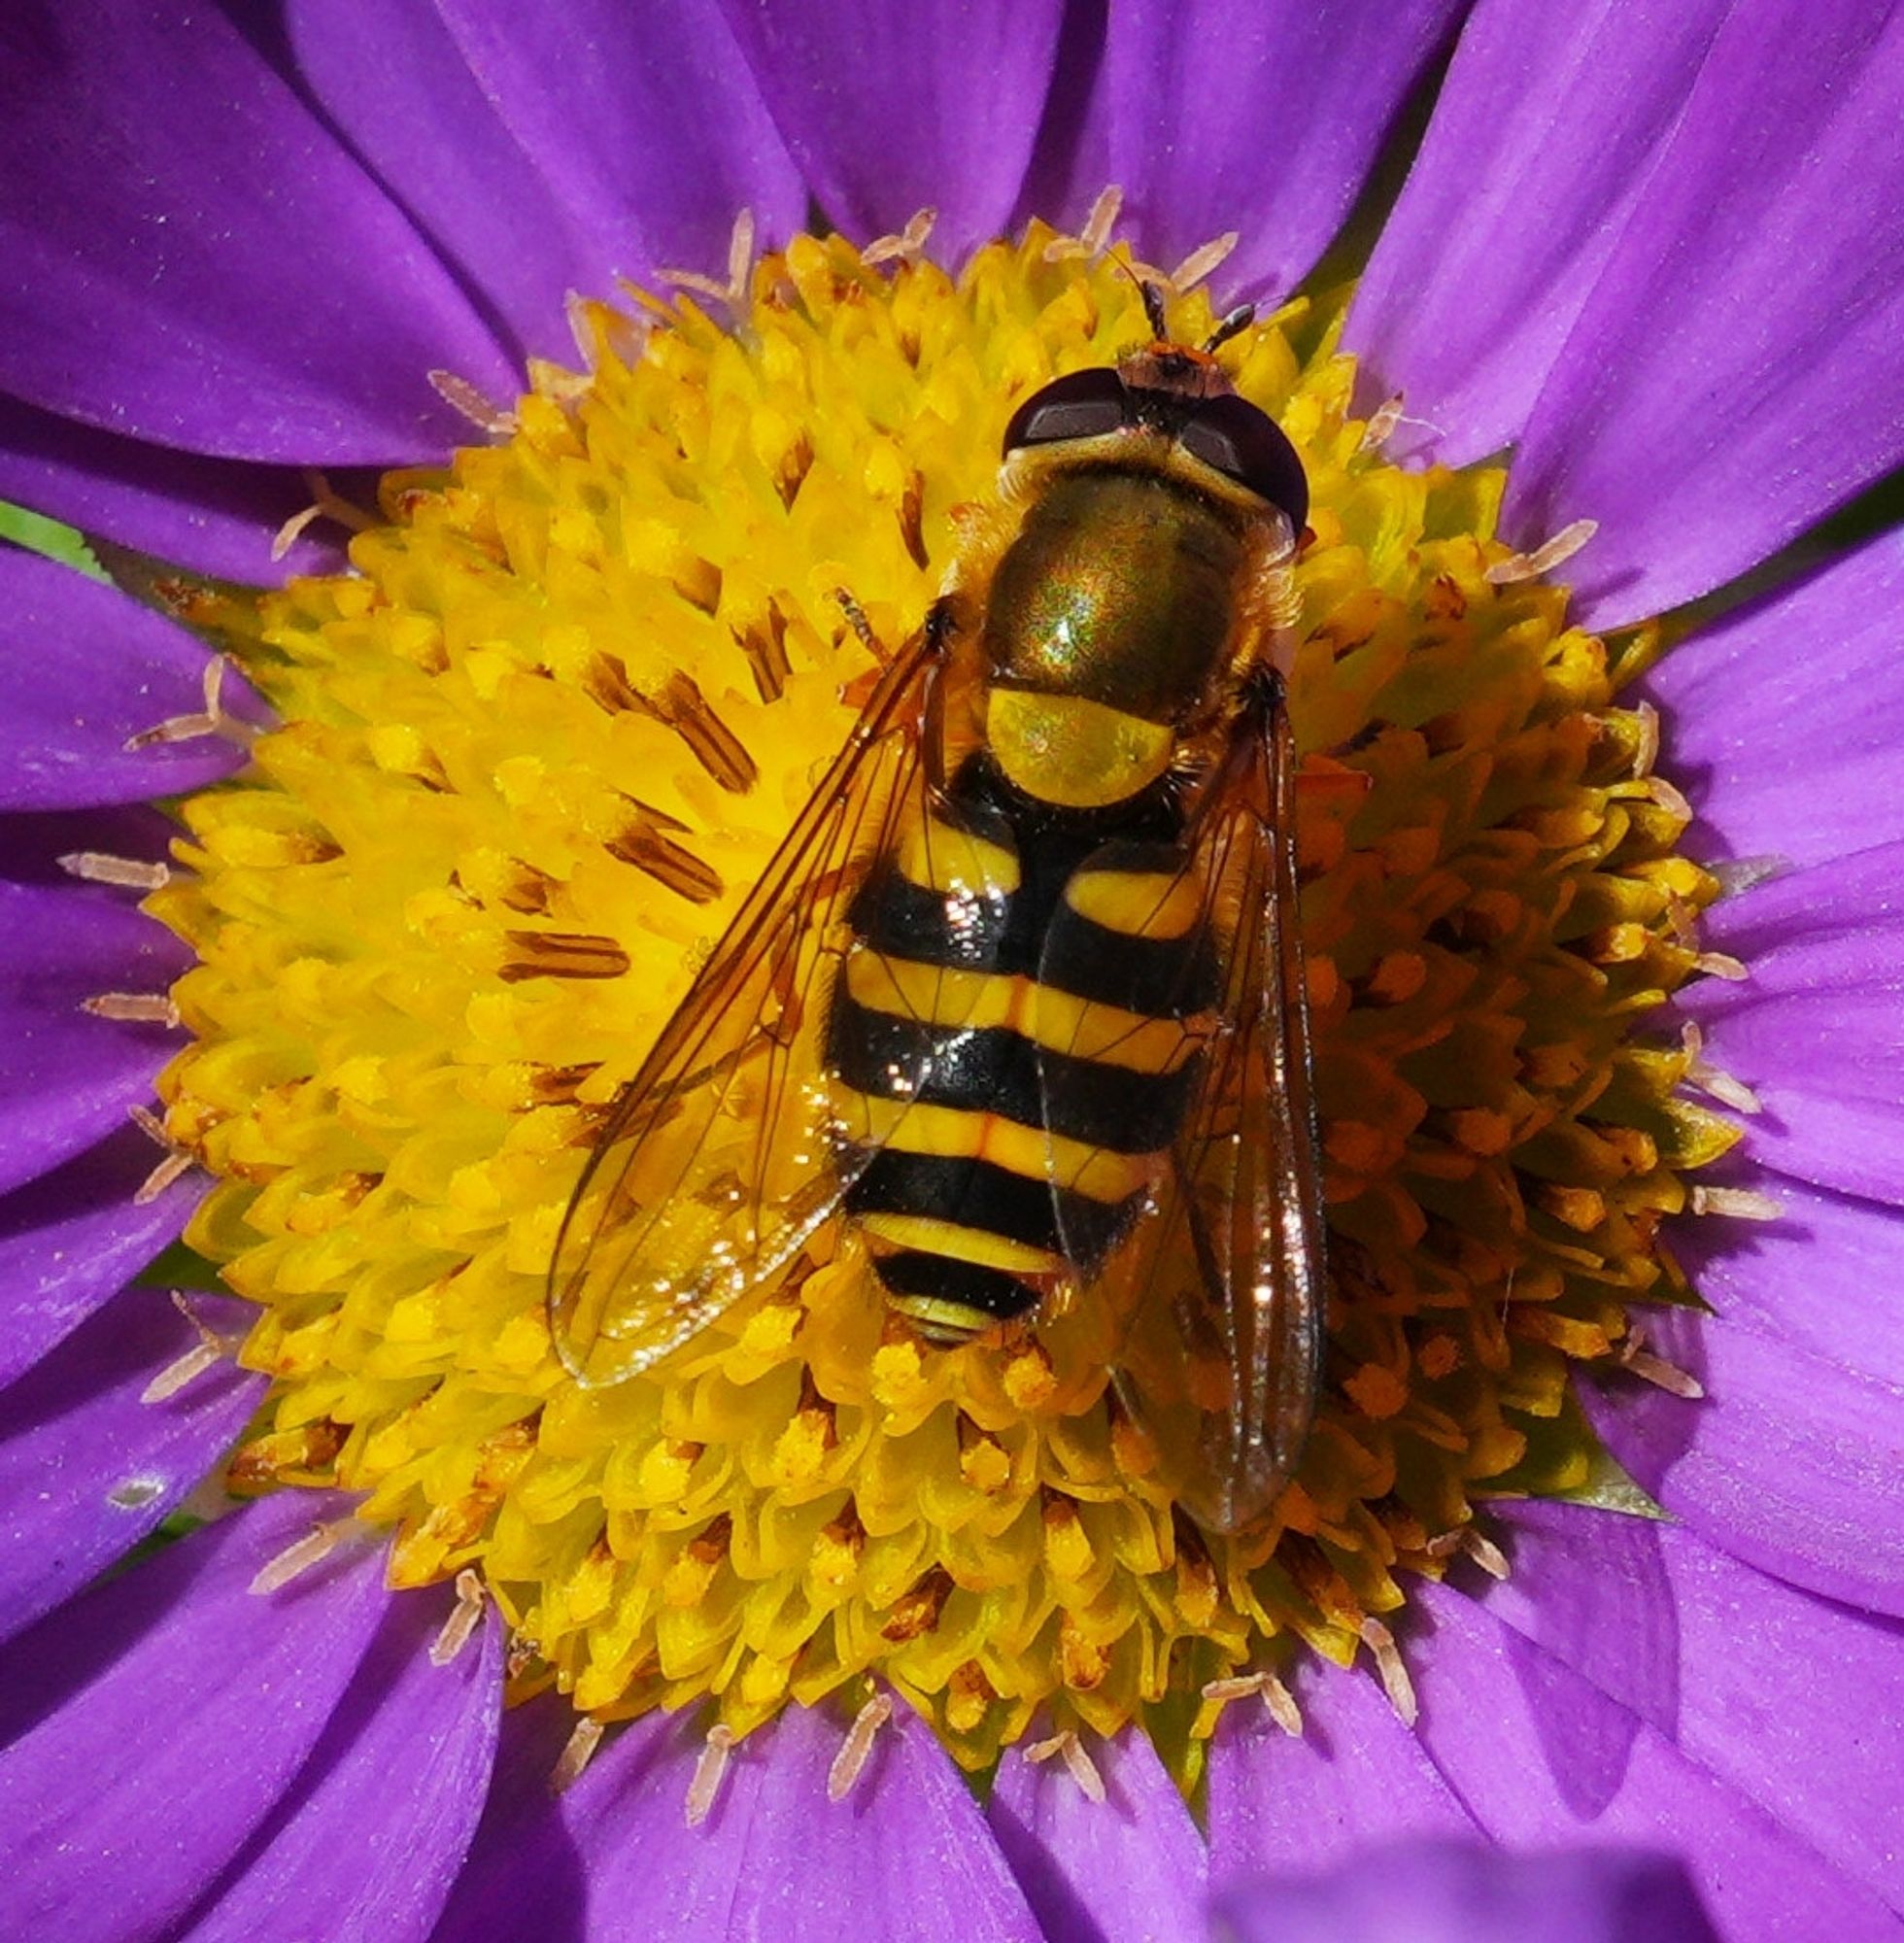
[{"x": 1022, "y": 1078}]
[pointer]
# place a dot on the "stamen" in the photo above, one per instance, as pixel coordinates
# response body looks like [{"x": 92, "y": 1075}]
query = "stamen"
[
  {"x": 1556, "y": 552},
  {"x": 125, "y": 874},
  {"x": 908, "y": 247},
  {"x": 578, "y": 1751},
  {"x": 1668, "y": 796},
  {"x": 1741, "y": 873},
  {"x": 213, "y": 720},
  {"x": 1741, "y": 1204},
  {"x": 1484, "y": 1553},
  {"x": 1683, "y": 921},
  {"x": 740, "y": 263},
  {"x": 211, "y": 1348},
  {"x": 148, "y": 1008},
  {"x": 1277, "y": 1700},
  {"x": 1381, "y": 423},
  {"x": 297, "y": 1560},
  {"x": 1709, "y": 1078},
  {"x": 1091, "y": 241},
  {"x": 1204, "y": 260},
  {"x": 464, "y": 1617},
  {"x": 1078, "y": 1764},
  {"x": 1646, "y": 752},
  {"x": 1393, "y": 1672},
  {"x": 178, "y": 1162},
  {"x": 857, "y": 1748},
  {"x": 325, "y": 504},
  {"x": 1656, "y": 1370},
  {"x": 1721, "y": 964},
  {"x": 710, "y": 1771},
  {"x": 463, "y": 399},
  {"x": 133, "y": 1494}
]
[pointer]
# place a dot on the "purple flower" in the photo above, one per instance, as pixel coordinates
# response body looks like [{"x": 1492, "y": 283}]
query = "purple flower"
[{"x": 1655, "y": 252}]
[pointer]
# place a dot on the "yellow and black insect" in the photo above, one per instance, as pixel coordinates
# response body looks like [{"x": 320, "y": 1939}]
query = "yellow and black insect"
[{"x": 1019, "y": 1002}]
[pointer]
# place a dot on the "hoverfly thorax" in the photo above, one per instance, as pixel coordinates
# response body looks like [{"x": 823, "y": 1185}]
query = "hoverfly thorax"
[{"x": 1157, "y": 505}]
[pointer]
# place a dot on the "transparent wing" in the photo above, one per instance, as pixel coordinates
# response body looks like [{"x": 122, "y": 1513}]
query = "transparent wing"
[
  {"x": 727, "y": 1150},
  {"x": 1220, "y": 1268}
]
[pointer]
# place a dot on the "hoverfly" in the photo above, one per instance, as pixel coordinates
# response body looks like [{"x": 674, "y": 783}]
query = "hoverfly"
[{"x": 1019, "y": 1001}]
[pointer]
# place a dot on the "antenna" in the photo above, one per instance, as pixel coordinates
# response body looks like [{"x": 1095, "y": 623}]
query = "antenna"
[{"x": 1239, "y": 318}]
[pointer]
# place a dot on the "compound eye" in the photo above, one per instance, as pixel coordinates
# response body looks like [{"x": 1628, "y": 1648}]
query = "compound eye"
[
  {"x": 1085, "y": 405},
  {"x": 1244, "y": 443}
]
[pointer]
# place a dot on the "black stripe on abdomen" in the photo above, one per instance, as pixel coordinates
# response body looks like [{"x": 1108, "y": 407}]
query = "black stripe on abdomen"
[
  {"x": 978, "y": 1194},
  {"x": 1161, "y": 977},
  {"x": 991, "y": 1292},
  {"x": 997, "y": 1070}
]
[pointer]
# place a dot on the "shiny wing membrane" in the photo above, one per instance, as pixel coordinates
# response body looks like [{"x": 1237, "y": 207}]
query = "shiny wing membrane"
[
  {"x": 1221, "y": 1275},
  {"x": 725, "y": 1153}
]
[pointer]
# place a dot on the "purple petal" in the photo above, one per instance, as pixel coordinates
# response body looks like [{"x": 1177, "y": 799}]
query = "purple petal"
[
  {"x": 365, "y": 1845},
  {"x": 97, "y": 667},
  {"x": 890, "y": 110},
  {"x": 158, "y": 1720},
  {"x": 86, "y": 1469},
  {"x": 906, "y": 1855},
  {"x": 1783, "y": 719},
  {"x": 397, "y": 85},
  {"x": 644, "y": 123},
  {"x": 1541, "y": 141},
  {"x": 1787, "y": 1462},
  {"x": 1453, "y": 1892},
  {"x": 1541, "y": 1757},
  {"x": 1822, "y": 1276},
  {"x": 1731, "y": 377},
  {"x": 215, "y": 516},
  {"x": 1817, "y": 1028},
  {"x": 74, "y": 1237},
  {"x": 1790, "y": 1698},
  {"x": 1129, "y": 1867},
  {"x": 192, "y": 259},
  {"x": 67, "y": 1078},
  {"x": 1355, "y": 1776},
  {"x": 1212, "y": 117}
]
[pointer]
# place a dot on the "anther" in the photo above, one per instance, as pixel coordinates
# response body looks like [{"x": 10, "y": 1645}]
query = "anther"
[
  {"x": 1484, "y": 1553},
  {"x": 1079, "y": 1765},
  {"x": 1092, "y": 240},
  {"x": 1645, "y": 750},
  {"x": 1544, "y": 559},
  {"x": 464, "y": 1617},
  {"x": 211, "y": 1350},
  {"x": 908, "y": 247},
  {"x": 740, "y": 263},
  {"x": 212, "y": 720},
  {"x": 178, "y": 1162},
  {"x": 578, "y": 1751},
  {"x": 1633, "y": 1355},
  {"x": 146, "y": 1009},
  {"x": 1277, "y": 1700},
  {"x": 849, "y": 1763},
  {"x": 1390, "y": 1668},
  {"x": 463, "y": 399},
  {"x": 297, "y": 1560},
  {"x": 1741, "y": 1204},
  {"x": 125, "y": 874},
  {"x": 1204, "y": 260},
  {"x": 710, "y": 1771}
]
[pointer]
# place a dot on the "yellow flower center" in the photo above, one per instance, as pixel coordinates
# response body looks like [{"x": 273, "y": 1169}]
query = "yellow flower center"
[{"x": 535, "y": 749}]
